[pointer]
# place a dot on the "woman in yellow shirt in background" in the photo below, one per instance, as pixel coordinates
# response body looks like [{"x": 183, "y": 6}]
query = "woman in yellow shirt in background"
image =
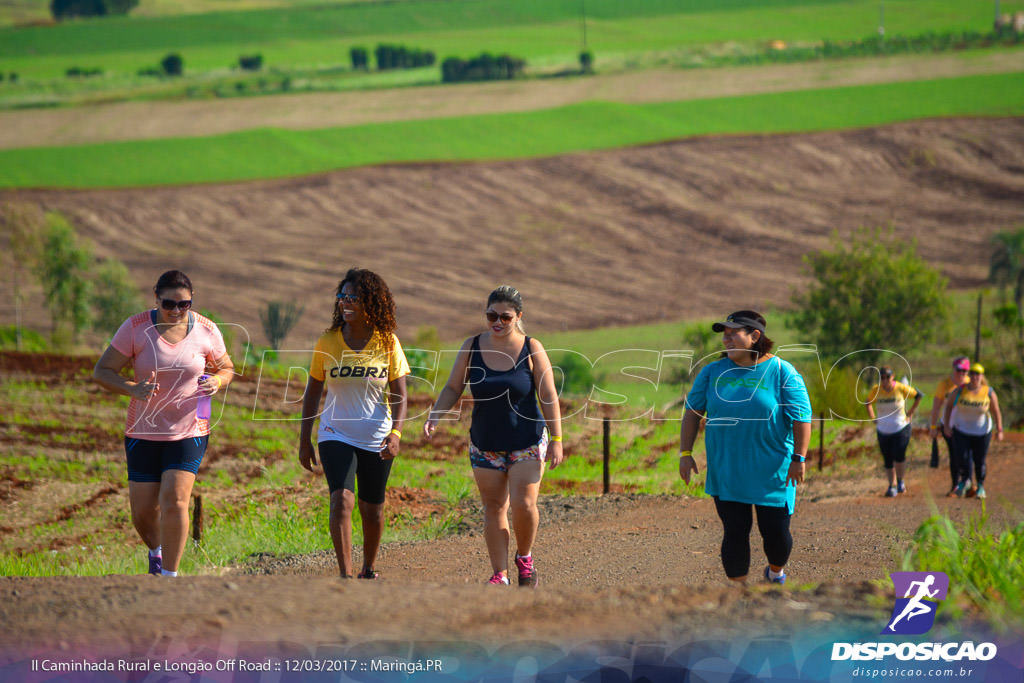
[
  {"x": 977, "y": 411},
  {"x": 892, "y": 422}
]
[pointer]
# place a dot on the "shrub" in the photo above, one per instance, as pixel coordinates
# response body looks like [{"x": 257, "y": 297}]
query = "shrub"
[
  {"x": 250, "y": 62},
  {"x": 278, "y": 319},
  {"x": 115, "y": 297},
  {"x": 63, "y": 271},
  {"x": 871, "y": 293},
  {"x": 78, "y": 72},
  {"x": 12, "y": 77},
  {"x": 401, "y": 57},
  {"x": 586, "y": 61},
  {"x": 69, "y": 9},
  {"x": 150, "y": 71},
  {"x": 484, "y": 67},
  {"x": 20, "y": 339},
  {"x": 360, "y": 58},
  {"x": 577, "y": 374},
  {"x": 173, "y": 64}
]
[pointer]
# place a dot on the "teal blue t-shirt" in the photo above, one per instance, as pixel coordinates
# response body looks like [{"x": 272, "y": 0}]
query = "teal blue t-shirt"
[{"x": 749, "y": 435}]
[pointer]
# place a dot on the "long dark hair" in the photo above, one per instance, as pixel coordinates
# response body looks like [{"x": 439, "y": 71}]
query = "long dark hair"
[{"x": 376, "y": 300}]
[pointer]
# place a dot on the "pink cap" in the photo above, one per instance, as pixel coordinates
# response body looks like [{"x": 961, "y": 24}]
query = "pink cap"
[{"x": 961, "y": 364}]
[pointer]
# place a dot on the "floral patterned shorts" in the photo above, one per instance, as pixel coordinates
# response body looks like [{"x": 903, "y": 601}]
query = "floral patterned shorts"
[{"x": 502, "y": 460}]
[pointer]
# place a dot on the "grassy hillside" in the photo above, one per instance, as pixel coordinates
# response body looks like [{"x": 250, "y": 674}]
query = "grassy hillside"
[
  {"x": 543, "y": 31},
  {"x": 597, "y": 125}
]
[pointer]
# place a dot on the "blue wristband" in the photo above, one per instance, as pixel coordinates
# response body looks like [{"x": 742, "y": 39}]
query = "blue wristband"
[{"x": 799, "y": 458}]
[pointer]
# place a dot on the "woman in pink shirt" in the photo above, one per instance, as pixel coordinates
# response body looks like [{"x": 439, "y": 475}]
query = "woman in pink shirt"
[{"x": 178, "y": 361}]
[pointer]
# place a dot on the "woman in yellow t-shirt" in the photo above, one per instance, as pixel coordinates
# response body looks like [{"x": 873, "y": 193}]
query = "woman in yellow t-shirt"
[
  {"x": 977, "y": 411},
  {"x": 360, "y": 364},
  {"x": 958, "y": 378},
  {"x": 892, "y": 422}
]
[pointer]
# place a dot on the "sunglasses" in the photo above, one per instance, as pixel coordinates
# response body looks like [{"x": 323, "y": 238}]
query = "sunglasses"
[
  {"x": 960, "y": 370},
  {"x": 171, "y": 304},
  {"x": 349, "y": 298},
  {"x": 505, "y": 317}
]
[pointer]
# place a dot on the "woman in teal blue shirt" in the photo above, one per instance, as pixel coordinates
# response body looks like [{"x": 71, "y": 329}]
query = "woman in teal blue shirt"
[{"x": 758, "y": 428}]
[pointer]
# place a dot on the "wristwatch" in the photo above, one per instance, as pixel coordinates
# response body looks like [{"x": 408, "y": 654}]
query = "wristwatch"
[{"x": 799, "y": 458}]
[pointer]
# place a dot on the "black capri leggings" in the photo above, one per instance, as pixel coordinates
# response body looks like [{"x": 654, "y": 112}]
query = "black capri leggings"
[
  {"x": 968, "y": 447},
  {"x": 737, "y": 520},
  {"x": 343, "y": 462},
  {"x": 894, "y": 446}
]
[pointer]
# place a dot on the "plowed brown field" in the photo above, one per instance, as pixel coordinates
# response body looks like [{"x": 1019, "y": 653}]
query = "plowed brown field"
[{"x": 688, "y": 228}]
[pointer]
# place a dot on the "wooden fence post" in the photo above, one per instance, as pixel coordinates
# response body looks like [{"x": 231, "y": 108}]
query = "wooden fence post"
[
  {"x": 821, "y": 441},
  {"x": 607, "y": 454},
  {"x": 197, "y": 519}
]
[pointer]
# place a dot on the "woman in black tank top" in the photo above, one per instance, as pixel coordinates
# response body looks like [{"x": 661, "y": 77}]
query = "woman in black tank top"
[{"x": 516, "y": 428}]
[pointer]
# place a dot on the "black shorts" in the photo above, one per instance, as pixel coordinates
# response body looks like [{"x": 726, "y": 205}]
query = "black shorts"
[
  {"x": 894, "y": 446},
  {"x": 343, "y": 463},
  {"x": 148, "y": 460}
]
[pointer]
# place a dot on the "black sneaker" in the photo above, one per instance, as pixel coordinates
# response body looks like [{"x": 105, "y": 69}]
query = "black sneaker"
[
  {"x": 156, "y": 564},
  {"x": 368, "y": 574},
  {"x": 527, "y": 574}
]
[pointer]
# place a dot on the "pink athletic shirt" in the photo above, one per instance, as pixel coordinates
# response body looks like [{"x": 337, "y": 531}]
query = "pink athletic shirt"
[{"x": 171, "y": 414}]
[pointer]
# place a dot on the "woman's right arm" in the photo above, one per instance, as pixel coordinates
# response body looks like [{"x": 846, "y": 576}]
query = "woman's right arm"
[
  {"x": 453, "y": 389},
  {"x": 310, "y": 409},
  {"x": 107, "y": 374}
]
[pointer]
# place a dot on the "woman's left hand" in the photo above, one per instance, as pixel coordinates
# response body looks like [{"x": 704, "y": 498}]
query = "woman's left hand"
[
  {"x": 796, "y": 473},
  {"x": 211, "y": 385},
  {"x": 554, "y": 455},
  {"x": 389, "y": 448}
]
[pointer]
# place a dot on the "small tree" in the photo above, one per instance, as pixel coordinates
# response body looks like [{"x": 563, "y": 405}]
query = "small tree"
[
  {"x": 278, "y": 320},
  {"x": 871, "y": 293},
  {"x": 23, "y": 226},
  {"x": 173, "y": 64},
  {"x": 250, "y": 62},
  {"x": 116, "y": 296},
  {"x": 1006, "y": 267},
  {"x": 586, "y": 61},
  {"x": 360, "y": 58},
  {"x": 69, "y": 9},
  {"x": 63, "y": 271}
]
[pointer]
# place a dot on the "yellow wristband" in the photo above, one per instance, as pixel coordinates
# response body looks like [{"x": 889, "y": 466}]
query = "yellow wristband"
[
  {"x": 395, "y": 431},
  {"x": 556, "y": 437},
  {"x": 219, "y": 381},
  {"x": 685, "y": 454}
]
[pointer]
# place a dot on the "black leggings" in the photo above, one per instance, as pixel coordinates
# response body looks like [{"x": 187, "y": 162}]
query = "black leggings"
[
  {"x": 737, "y": 520},
  {"x": 969, "y": 446}
]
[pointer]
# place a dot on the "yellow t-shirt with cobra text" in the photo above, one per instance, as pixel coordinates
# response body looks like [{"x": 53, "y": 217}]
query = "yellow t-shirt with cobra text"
[{"x": 357, "y": 410}]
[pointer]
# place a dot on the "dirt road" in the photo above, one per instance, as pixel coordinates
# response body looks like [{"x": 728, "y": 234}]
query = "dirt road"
[{"x": 611, "y": 567}]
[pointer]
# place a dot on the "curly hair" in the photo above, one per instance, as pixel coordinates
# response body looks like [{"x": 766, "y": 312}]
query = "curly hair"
[{"x": 376, "y": 300}]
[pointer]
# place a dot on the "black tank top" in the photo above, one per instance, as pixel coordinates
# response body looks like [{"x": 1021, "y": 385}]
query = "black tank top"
[{"x": 506, "y": 416}]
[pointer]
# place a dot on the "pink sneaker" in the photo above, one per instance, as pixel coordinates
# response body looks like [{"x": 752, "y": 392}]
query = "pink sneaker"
[
  {"x": 498, "y": 579},
  {"x": 527, "y": 574}
]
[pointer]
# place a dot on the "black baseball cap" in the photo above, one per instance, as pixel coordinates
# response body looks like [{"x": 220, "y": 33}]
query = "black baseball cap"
[{"x": 751, "y": 319}]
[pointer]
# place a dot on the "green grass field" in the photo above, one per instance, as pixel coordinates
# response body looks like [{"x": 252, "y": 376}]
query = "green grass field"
[
  {"x": 545, "y": 32},
  {"x": 590, "y": 126}
]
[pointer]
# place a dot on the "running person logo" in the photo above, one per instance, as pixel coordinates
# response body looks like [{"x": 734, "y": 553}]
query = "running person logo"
[{"x": 914, "y": 613}]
